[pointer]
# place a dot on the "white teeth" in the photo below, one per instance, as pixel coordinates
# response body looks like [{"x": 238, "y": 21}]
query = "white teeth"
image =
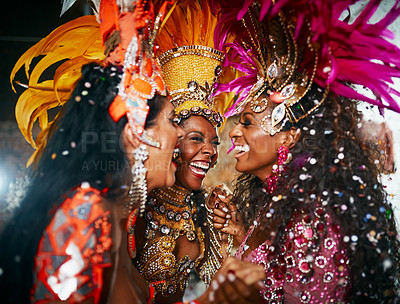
[
  {"x": 201, "y": 165},
  {"x": 198, "y": 171},
  {"x": 244, "y": 148}
]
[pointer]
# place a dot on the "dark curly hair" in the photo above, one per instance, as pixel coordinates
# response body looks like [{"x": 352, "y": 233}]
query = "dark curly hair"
[
  {"x": 83, "y": 146},
  {"x": 331, "y": 166}
]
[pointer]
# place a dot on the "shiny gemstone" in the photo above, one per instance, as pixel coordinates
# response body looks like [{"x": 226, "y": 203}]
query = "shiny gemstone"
[
  {"x": 304, "y": 266},
  {"x": 320, "y": 227},
  {"x": 192, "y": 86},
  {"x": 328, "y": 277},
  {"x": 152, "y": 201},
  {"x": 288, "y": 90},
  {"x": 268, "y": 282},
  {"x": 289, "y": 277},
  {"x": 178, "y": 217},
  {"x": 272, "y": 71},
  {"x": 170, "y": 214},
  {"x": 217, "y": 117},
  {"x": 320, "y": 261},
  {"x": 161, "y": 209},
  {"x": 154, "y": 224},
  {"x": 206, "y": 112},
  {"x": 308, "y": 233},
  {"x": 149, "y": 215},
  {"x": 278, "y": 114},
  {"x": 184, "y": 113},
  {"x": 187, "y": 198},
  {"x": 165, "y": 229},
  {"x": 305, "y": 297},
  {"x": 171, "y": 289},
  {"x": 195, "y": 109},
  {"x": 290, "y": 261},
  {"x": 186, "y": 214},
  {"x": 218, "y": 71},
  {"x": 340, "y": 259},
  {"x": 267, "y": 295}
]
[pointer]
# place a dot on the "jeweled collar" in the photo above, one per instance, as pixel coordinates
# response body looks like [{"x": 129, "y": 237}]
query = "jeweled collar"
[{"x": 176, "y": 196}]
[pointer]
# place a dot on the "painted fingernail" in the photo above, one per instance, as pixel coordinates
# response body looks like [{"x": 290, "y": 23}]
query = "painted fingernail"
[
  {"x": 214, "y": 285},
  {"x": 216, "y": 205},
  {"x": 228, "y": 216},
  {"x": 226, "y": 225},
  {"x": 211, "y": 296},
  {"x": 231, "y": 276},
  {"x": 225, "y": 209},
  {"x": 260, "y": 285},
  {"x": 221, "y": 278},
  {"x": 221, "y": 196}
]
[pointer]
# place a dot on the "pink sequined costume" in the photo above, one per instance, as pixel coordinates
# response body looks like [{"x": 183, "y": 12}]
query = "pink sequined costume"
[{"x": 313, "y": 266}]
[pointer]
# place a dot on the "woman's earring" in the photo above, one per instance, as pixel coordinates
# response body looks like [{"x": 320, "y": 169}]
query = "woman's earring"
[
  {"x": 277, "y": 170},
  {"x": 138, "y": 190}
]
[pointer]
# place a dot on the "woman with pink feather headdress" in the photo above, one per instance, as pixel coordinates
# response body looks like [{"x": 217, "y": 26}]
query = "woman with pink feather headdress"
[{"x": 309, "y": 205}]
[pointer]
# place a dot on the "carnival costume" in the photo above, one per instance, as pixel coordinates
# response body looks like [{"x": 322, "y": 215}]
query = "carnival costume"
[
  {"x": 76, "y": 246},
  {"x": 190, "y": 65},
  {"x": 295, "y": 52}
]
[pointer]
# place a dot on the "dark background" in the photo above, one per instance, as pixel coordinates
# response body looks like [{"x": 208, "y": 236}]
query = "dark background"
[{"x": 23, "y": 23}]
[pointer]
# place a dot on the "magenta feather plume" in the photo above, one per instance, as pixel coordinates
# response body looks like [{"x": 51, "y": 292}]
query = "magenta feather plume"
[{"x": 357, "y": 53}]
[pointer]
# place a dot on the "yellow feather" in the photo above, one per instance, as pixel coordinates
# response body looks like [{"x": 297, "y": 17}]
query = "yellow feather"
[{"x": 77, "y": 42}]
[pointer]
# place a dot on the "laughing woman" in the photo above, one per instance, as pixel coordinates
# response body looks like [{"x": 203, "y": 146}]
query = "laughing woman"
[
  {"x": 309, "y": 196},
  {"x": 177, "y": 214}
]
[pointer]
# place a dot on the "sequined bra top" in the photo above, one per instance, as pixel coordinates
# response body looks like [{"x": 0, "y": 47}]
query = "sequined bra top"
[
  {"x": 169, "y": 214},
  {"x": 312, "y": 267}
]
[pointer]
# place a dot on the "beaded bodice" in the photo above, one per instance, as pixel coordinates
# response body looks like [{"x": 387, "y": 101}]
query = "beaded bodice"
[
  {"x": 170, "y": 214},
  {"x": 312, "y": 266}
]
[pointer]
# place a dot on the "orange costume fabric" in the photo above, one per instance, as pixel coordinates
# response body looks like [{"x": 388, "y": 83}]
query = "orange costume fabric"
[{"x": 73, "y": 251}]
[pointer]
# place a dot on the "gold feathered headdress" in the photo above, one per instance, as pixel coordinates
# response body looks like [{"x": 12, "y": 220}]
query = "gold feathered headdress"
[{"x": 189, "y": 62}]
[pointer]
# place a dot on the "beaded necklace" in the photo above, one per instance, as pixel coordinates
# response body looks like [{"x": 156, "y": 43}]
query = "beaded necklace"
[{"x": 171, "y": 211}]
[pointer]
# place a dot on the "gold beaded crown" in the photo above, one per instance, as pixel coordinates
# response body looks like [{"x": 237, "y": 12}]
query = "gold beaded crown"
[{"x": 189, "y": 63}]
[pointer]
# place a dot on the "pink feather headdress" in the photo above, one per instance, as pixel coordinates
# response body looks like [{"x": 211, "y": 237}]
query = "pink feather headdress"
[{"x": 284, "y": 47}]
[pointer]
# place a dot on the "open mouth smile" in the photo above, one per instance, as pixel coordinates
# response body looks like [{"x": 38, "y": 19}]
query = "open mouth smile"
[{"x": 199, "y": 168}]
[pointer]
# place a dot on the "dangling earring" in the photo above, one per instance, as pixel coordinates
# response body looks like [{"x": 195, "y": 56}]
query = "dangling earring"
[
  {"x": 138, "y": 190},
  {"x": 277, "y": 170}
]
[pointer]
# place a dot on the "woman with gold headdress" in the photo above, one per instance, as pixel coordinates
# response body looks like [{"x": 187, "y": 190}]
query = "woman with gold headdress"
[
  {"x": 310, "y": 203},
  {"x": 177, "y": 215}
]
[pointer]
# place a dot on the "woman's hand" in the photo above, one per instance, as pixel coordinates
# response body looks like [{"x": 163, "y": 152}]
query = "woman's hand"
[
  {"x": 225, "y": 215},
  {"x": 236, "y": 282}
]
